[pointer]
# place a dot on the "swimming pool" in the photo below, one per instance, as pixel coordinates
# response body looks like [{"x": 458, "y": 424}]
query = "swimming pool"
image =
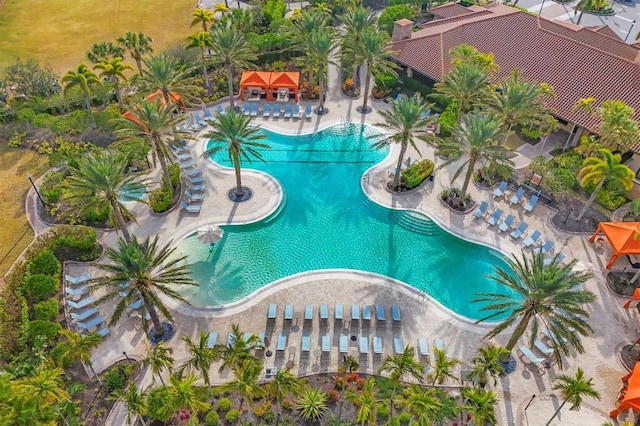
[
  {"x": 327, "y": 222},
  {"x": 133, "y": 193}
]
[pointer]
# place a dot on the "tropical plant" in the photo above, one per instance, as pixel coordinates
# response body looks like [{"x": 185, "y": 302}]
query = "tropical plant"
[
  {"x": 114, "y": 69},
  {"x": 239, "y": 350},
  {"x": 477, "y": 141},
  {"x": 43, "y": 390},
  {"x": 104, "y": 51},
  {"x": 421, "y": 403},
  {"x": 350, "y": 363},
  {"x": 159, "y": 357},
  {"x": 607, "y": 167},
  {"x": 540, "y": 293},
  {"x": 201, "y": 40},
  {"x": 442, "y": 367},
  {"x": 617, "y": 125},
  {"x": 75, "y": 346},
  {"x": 138, "y": 45},
  {"x": 399, "y": 365},
  {"x": 468, "y": 54},
  {"x": 573, "y": 389},
  {"x": 246, "y": 383},
  {"x": 480, "y": 405},
  {"x": 318, "y": 47},
  {"x": 183, "y": 394},
  {"x": 355, "y": 20},
  {"x": 467, "y": 84},
  {"x": 548, "y": 125},
  {"x": 311, "y": 404},
  {"x": 365, "y": 400},
  {"x": 97, "y": 184},
  {"x": 203, "y": 17},
  {"x": 148, "y": 270},
  {"x": 283, "y": 384},
  {"x": 133, "y": 401},
  {"x": 303, "y": 25},
  {"x": 201, "y": 358},
  {"x": 169, "y": 75},
  {"x": 407, "y": 120},
  {"x": 487, "y": 364},
  {"x": 82, "y": 78},
  {"x": 234, "y": 133}
]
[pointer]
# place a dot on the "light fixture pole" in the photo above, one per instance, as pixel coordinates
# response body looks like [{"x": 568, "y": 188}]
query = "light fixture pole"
[
  {"x": 541, "y": 7},
  {"x": 630, "y": 28},
  {"x": 36, "y": 189},
  {"x": 127, "y": 357}
]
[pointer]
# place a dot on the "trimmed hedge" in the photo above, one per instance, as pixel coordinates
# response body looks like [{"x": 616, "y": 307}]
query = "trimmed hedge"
[
  {"x": 44, "y": 263},
  {"x": 417, "y": 173},
  {"x": 393, "y": 13},
  {"x": 39, "y": 287},
  {"x": 160, "y": 199},
  {"x": 45, "y": 329},
  {"x": 47, "y": 310}
]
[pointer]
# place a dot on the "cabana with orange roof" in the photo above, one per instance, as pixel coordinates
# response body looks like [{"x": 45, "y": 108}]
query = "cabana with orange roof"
[
  {"x": 254, "y": 84},
  {"x": 629, "y": 396},
  {"x": 283, "y": 84},
  {"x": 622, "y": 236},
  {"x": 173, "y": 97}
]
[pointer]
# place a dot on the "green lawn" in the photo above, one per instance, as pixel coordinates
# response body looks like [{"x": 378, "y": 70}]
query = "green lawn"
[{"x": 60, "y": 32}]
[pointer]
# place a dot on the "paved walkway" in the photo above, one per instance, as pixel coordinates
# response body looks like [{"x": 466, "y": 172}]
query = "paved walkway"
[{"x": 422, "y": 316}]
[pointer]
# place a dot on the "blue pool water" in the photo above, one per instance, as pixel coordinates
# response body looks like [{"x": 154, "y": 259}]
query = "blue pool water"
[
  {"x": 328, "y": 222},
  {"x": 132, "y": 194}
]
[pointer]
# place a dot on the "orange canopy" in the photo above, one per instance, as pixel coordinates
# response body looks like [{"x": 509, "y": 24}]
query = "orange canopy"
[
  {"x": 253, "y": 79},
  {"x": 285, "y": 80},
  {"x": 173, "y": 96},
  {"x": 636, "y": 296},
  {"x": 621, "y": 236},
  {"x": 269, "y": 82},
  {"x": 630, "y": 392}
]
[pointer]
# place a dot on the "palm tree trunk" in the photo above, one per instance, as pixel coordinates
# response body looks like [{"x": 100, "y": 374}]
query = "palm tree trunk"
[
  {"x": 354, "y": 74},
  {"x": 141, "y": 420},
  {"x": 155, "y": 319},
  {"x": 518, "y": 332},
  {"x": 506, "y": 135},
  {"x": 590, "y": 200},
  {"x": 95, "y": 374},
  {"x": 321, "y": 84},
  {"x": 556, "y": 413},
  {"x": 118, "y": 92},
  {"x": 580, "y": 17},
  {"x": 204, "y": 72},
  {"x": 138, "y": 60},
  {"x": 311, "y": 76},
  {"x": 396, "y": 177},
  {"x": 467, "y": 178},
  {"x": 230, "y": 85},
  {"x": 365, "y": 95},
  {"x": 87, "y": 104},
  {"x": 162, "y": 380},
  {"x": 122, "y": 226},
  {"x": 166, "y": 177},
  {"x": 64, "y": 420},
  {"x": 236, "y": 167}
]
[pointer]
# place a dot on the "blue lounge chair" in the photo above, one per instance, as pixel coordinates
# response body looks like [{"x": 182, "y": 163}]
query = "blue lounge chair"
[
  {"x": 305, "y": 346},
  {"x": 199, "y": 120},
  {"x": 344, "y": 344},
  {"x": 506, "y": 224},
  {"x": 548, "y": 245},
  {"x": 102, "y": 332},
  {"x": 83, "y": 303},
  {"x": 93, "y": 323},
  {"x": 261, "y": 344},
  {"x": 542, "y": 347},
  {"x": 377, "y": 345},
  {"x": 493, "y": 220},
  {"x": 266, "y": 112},
  {"x": 531, "y": 239},
  {"x": 187, "y": 164},
  {"x": 531, "y": 204},
  {"x": 380, "y": 313},
  {"x": 520, "y": 230},
  {"x": 439, "y": 343},
  {"x": 551, "y": 335},
  {"x": 287, "y": 110},
  {"x": 398, "y": 345},
  {"x": 254, "y": 110},
  {"x": 366, "y": 312},
  {"x": 195, "y": 179},
  {"x": 219, "y": 109},
  {"x": 84, "y": 314},
  {"x": 355, "y": 312},
  {"x": 499, "y": 191},
  {"x": 307, "y": 111},
  {"x": 190, "y": 208},
  {"x": 326, "y": 343},
  {"x": 136, "y": 304},
  {"x": 395, "y": 313},
  {"x": 296, "y": 111},
  {"x": 208, "y": 115},
  {"x": 481, "y": 210},
  {"x": 425, "y": 114},
  {"x": 197, "y": 188},
  {"x": 183, "y": 156},
  {"x": 77, "y": 280},
  {"x": 423, "y": 346},
  {"x": 517, "y": 197},
  {"x": 339, "y": 312},
  {"x": 193, "y": 125},
  {"x": 212, "y": 340},
  {"x": 193, "y": 197},
  {"x": 276, "y": 110},
  {"x": 247, "y": 108},
  {"x": 193, "y": 172},
  {"x": 76, "y": 291},
  {"x": 273, "y": 311},
  {"x": 231, "y": 339},
  {"x": 364, "y": 345},
  {"x": 288, "y": 312},
  {"x": 282, "y": 342},
  {"x": 308, "y": 312},
  {"x": 549, "y": 260},
  {"x": 324, "y": 312}
]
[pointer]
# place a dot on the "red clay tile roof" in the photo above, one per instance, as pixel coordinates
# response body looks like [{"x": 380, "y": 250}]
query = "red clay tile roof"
[
  {"x": 577, "y": 62},
  {"x": 450, "y": 9}
]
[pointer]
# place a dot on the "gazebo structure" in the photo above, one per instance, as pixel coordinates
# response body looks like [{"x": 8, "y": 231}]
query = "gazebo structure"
[
  {"x": 629, "y": 396},
  {"x": 254, "y": 84},
  {"x": 283, "y": 84},
  {"x": 624, "y": 238},
  {"x": 175, "y": 98}
]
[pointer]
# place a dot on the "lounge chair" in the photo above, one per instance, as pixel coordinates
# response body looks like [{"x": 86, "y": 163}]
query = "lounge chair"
[
  {"x": 212, "y": 340},
  {"x": 136, "y": 304},
  {"x": 193, "y": 172},
  {"x": 344, "y": 344},
  {"x": 380, "y": 313},
  {"x": 548, "y": 245},
  {"x": 287, "y": 110},
  {"x": 307, "y": 111},
  {"x": 531, "y": 204},
  {"x": 288, "y": 312},
  {"x": 493, "y": 220},
  {"x": 355, "y": 312},
  {"x": 193, "y": 197},
  {"x": 305, "y": 346},
  {"x": 281, "y": 345},
  {"x": 549, "y": 260},
  {"x": 190, "y": 208},
  {"x": 247, "y": 109},
  {"x": 506, "y": 224},
  {"x": 254, "y": 110},
  {"x": 231, "y": 339},
  {"x": 308, "y": 312},
  {"x": 187, "y": 164},
  {"x": 481, "y": 210},
  {"x": 83, "y": 303},
  {"x": 193, "y": 125},
  {"x": 102, "y": 332},
  {"x": 208, "y": 115},
  {"x": 219, "y": 109},
  {"x": 533, "y": 359},
  {"x": 76, "y": 291},
  {"x": 195, "y": 179},
  {"x": 366, "y": 312},
  {"x": 276, "y": 110},
  {"x": 339, "y": 312},
  {"x": 273, "y": 311},
  {"x": 395, "y": 313},
  {"x": 520, "y": 230},
  {"x": 326, "y": 343},
  {"x": 266, "y": 112},
  {"x": 551, "y": 335},
  {"x": 499, "y": 191},
  {"x": 183, "y": 157},
  {"x": 517, "y": 197},
  {"x": 93, "y": 323},
  {"x": 77, "y": 280},
  {"x": 262, "y": 344},
  {"x": 199, "y": 120},
  {"x": 423, "y": 346},
  {"x": 377, "y": 345},
  {"x": 398, "y": 345},
  {"x": 197, "y": 188},
  {"x": 531, "y": 239},
  {"x": 296, "y": 111},
  {"x": 324, "y": 312},
  {"x": 542, "y": 347},
  {"x": 84, "y": 314},
  {"x": 364, "y": 345},
  {"x": 439, "y": 343}
]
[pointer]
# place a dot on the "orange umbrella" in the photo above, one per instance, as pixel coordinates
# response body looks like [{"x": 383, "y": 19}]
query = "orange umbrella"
[{"x": 636, "y": 296}]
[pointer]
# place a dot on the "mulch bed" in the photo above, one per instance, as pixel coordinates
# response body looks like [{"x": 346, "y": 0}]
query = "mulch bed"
[
  {"x": 629, "y": 355},
  {"x": 568, "y": 210},
  {"x": 618, "y": 282}
]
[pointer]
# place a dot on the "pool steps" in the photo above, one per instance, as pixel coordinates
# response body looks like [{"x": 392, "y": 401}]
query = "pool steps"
[{"x": 415, "y": 222}]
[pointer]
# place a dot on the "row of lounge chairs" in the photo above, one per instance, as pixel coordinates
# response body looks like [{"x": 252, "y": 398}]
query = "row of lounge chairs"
[
  {"x": 542, "y": 347},
  {"x": 193, "y": 196},
  {"x": 196, "y": 122},
  {"x": 517, "y": 198},
  {"x": 367, "y": 312},
  {"x": 85, "y": 319},
  {"x": 275, "y": 111}
]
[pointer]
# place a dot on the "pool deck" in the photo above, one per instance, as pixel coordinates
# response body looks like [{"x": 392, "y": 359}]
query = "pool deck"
[{"x": 421, "y": 316}]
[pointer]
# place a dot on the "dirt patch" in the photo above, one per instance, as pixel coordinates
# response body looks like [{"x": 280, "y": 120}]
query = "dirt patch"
[
  {"x": 618, "y": 282},
  {"x": 630, "y": 354},
  {"x": 566, "y": 217}
]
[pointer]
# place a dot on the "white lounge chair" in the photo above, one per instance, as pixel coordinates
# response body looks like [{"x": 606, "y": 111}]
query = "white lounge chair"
[
  {"x": 423, "y": 346},
  {"x": 439, "y": 343},
  {"x": 542, "y": 347},
  {"x": 533, "y": 359}
]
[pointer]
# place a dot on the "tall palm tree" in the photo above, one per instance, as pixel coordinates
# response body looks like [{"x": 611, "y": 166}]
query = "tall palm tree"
[
  {"x": 422, "y": 403},
  {"x": 138, "y": 45},
  {"x": 477, "y": 141},
  {"x": 373, "y": 49},
  {"x": 114, "y": 70},
  {"x": 573, "y": 389},
  {"x": 159, "y": 357},
  {"x": 311, "y": 404},
  {"x": 183, "y": 394},
  {"x": 407, "y": 122},
  {"x": 82, "y": 78},
  {"x": 598, "y": 170},
  {"x": 43, "y": 390},
  {"x": 318, "y": 47},
  {"x": 231, "y": 50},
  {"x": 169, "y": 75},
  {"x": 480, "y": 404},
  {"x": 487, "y": 364},
  {"x": 355, "y": 20},
  {"x": 468, "y": 54},
  {"x": 284, "y": 383},
  {"x": 133, "y": 401},
  {"x": 618, "y": 128},
  {"x": 234, "y": 133},
  {"x": 467, "y": 84},
  {"x": 399, "y": 365},
  {"x": 238, "y": 351},
  {"x": 304, "y": 24},
  {"x": 366, "y": 402},
  {"x": 201, "y": 40},
  {"x": 98, "y": 182},
  {"x": 149, "y": 270},
  {"x": 246, "y": 384},
  {"x": 442, "y": 367},
  {"x": 204, "y": 17},
  {"x": 75, "y": 346},
  {"x": 201, "y": 358},
  {"x": 540, "y": 294},
  {"x": 548, "y": 125}
]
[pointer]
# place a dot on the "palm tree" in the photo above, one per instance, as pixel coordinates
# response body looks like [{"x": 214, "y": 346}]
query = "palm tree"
[
  {"x": 138, "y": 45},
  {"x": 169, "y": 75},
  {"x": 318, "y": 46},
  {"x": 366, "y": 402},
  {"x": 283, "y": 384},
  {"x": 204, "y": 17},
  {"x": 134, "y": 401},
  {"x": 539, "y": 293},
  {"x": 114, "y": 70},
  {"x": 183, "y": 394},
  {"x": 442, "y": 367},
  {"x": 350, "y": 363},
  {"x": 105, "y": 50},
  {"x": 201, "y": 40},
  {"x": 487, "y": 363},
  {"x": 81, "y": 78},
  {"x": 480, "y": 404},
  {"x": 246, "y": 384},
  {"x": 373, "y": 49},
  {"x": 240, "y": 349},
  {"x": 421, "y": 403},
  {"x": 77, "y": 347},
  {"x": 311, "y": 404},
  {"x": 201, "y": 358},
  {"x": 304, "y": 24},
  {"x": 398, "y": 366},
  {"x": 407, "y": 122},
  {"x": 159, "y": 357},
  {"x": 468, "y": 54},
  {"x": 356, "y": 20},
  {"x": 149, "y": 270},
  {"x": 97, "y": 184},
  {"x": 618, "y": 127},
  {"x": 476, "y": 140},
  {"x": 581, "y": 6},
  {"x": 235, "y": 133},
  {"x": 42, "y": 390},
  {"x": 467, "y": 84},
  {"x": 231, "y": 50},
  {"x": 548, "y": 125},
  {"x": 598, "y": 170},
  {"x": 573, "y": 389}
]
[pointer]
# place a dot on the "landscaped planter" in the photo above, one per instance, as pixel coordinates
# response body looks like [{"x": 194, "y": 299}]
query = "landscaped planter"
[{"x": 604, "y": 12}]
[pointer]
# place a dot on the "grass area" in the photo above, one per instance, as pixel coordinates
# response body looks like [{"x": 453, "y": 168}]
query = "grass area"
[
  {"x": 60, "y": 32},
  {"x": 15, "y": 232}
]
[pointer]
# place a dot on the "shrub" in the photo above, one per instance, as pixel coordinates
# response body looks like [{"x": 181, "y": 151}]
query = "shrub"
[
  {"x": 559, "y": 180},
  {"x": 160, "y": 199},
  {"x": 348, "y": 84},
  {"x": 339, "y": 383},
  {"x": 287, "y": 405},
  {"x": 276, "y": 66},
  {"x": 274, "y": 9},
  {"x": 174, "y": 174},
  {"x": 224, "y": 404},
  {"x": 393, "y": 13},
  {"x": 44, "y": 263},
  {"x": 332, "y": 396},
  {"x": 383, "y": 410},
  {"x": 216, "y": 391},
  {"x": 45, "y": 329},
  {"x": 425, "y": 90},
  {"x": 96, "y": 216},
  {"x": 116, "y": 377},
  {"x": 74, "y": 243},
  {"x": 212, "y": 418},
  {"x": 16, "y": 139},
  {"x": 609, "y": 199},
  {"x": 51, "y": 187},
  {"x": 530, "y": 133},
  {"x": 386, "y": 80},
  {"x": 39, "y": 287},
  {"x": 309, "y": 92},
  {"x": 233, "y": 415},
  {"x": 417, "y": 173},
  {"x": 569, "y": 160},
  {"x": 47, "y": 310},
  {"x": 262, "y": 409},
  {"x": 379, "y": 92},
  {"x": 156, "y": 399},
  {"x": 448, "y": 119},
  {"x": 404, "y": 418}
]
